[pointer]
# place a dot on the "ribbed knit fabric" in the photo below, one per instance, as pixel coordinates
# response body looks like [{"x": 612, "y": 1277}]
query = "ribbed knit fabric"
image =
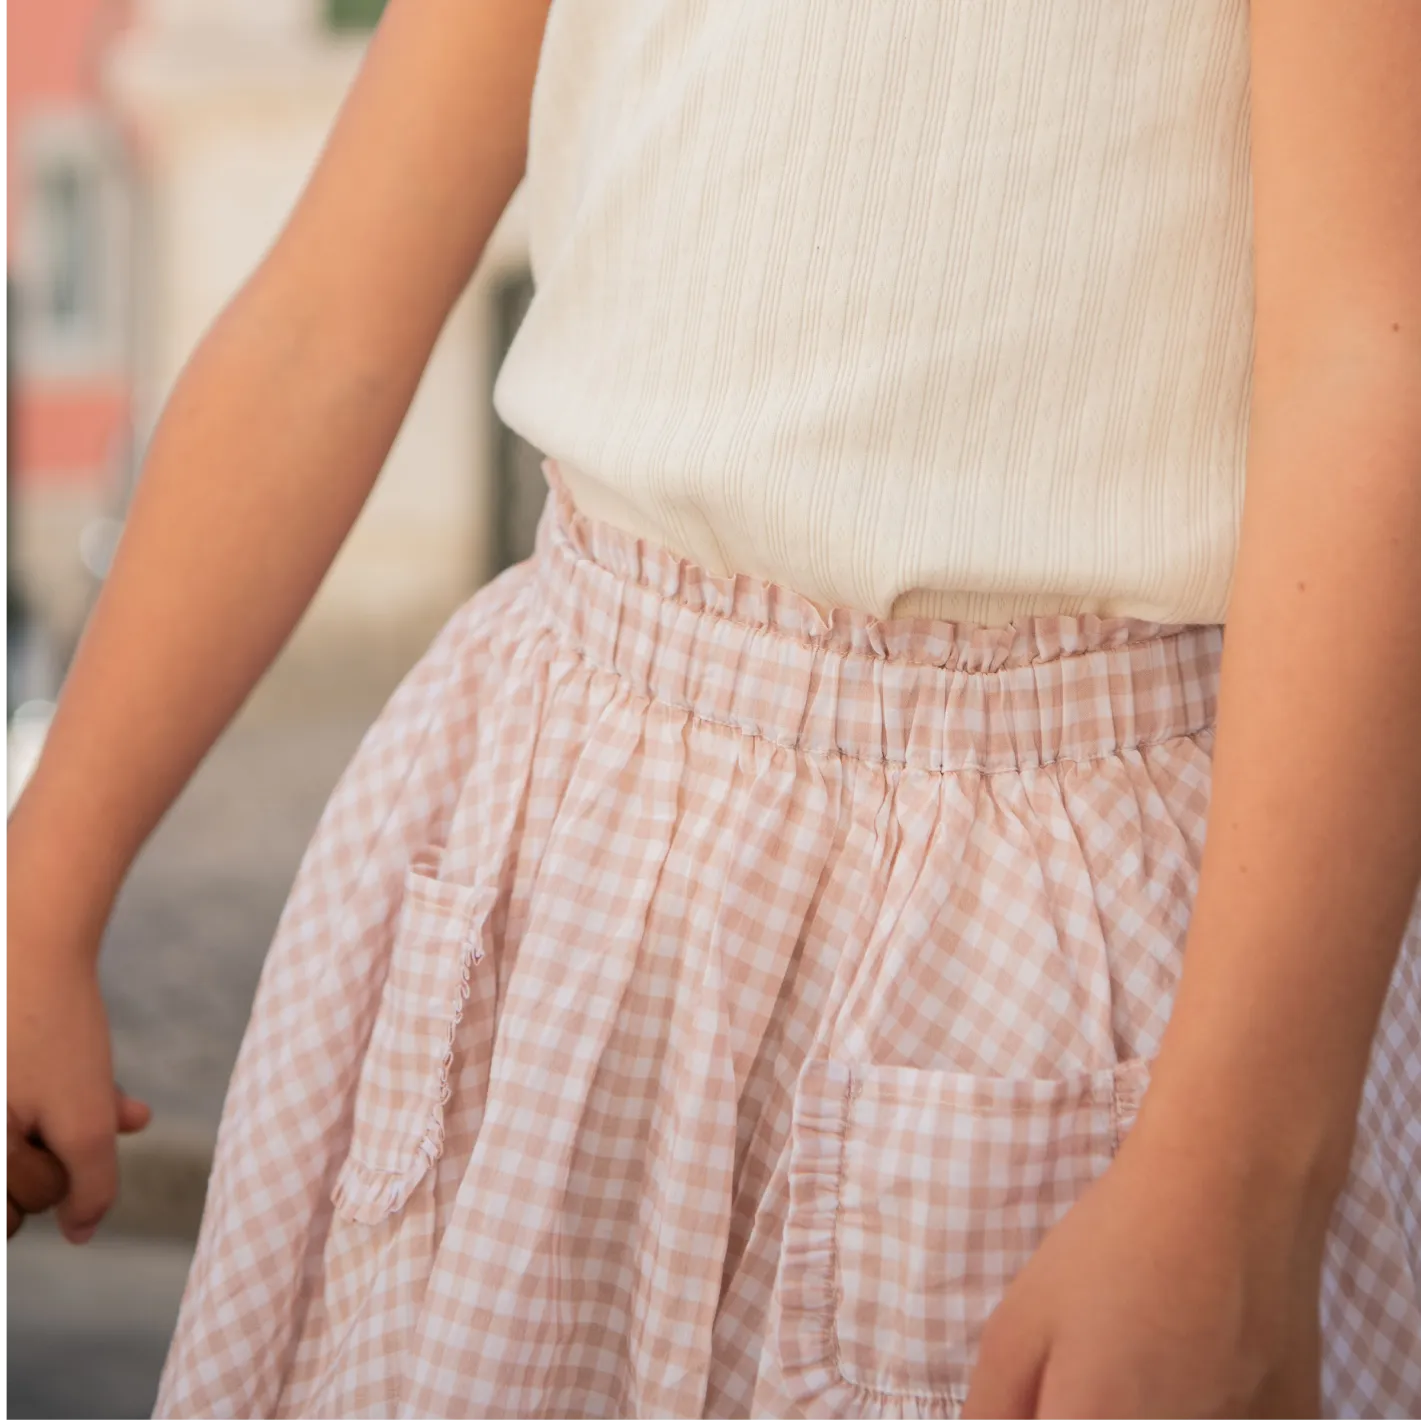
[{"x": 931, "y": 307}]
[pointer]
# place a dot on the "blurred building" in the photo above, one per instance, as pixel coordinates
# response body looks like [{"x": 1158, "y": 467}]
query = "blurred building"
[
  {"x": 161, "y": 145},
  {"x": 70, "y": 265}
]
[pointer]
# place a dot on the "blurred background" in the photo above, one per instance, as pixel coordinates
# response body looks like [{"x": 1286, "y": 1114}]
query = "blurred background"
[{"x": 155, "y": 147}]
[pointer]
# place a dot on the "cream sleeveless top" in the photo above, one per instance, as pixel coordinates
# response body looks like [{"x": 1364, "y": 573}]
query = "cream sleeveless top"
[{"x": 916, "y": 306}]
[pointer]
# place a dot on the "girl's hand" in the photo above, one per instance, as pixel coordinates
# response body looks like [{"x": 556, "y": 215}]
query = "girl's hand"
[
  {"x": 1176, "y": 1286},
  {"x": 35, "y": 1179},
  {"x": 64, "y": 1107}
]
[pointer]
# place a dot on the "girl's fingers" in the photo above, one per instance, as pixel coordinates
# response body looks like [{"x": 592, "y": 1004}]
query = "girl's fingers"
[
  {"x": 1007, "y": 1377},
  {"x": 85, "y": 1141},
  {"x": 36, "y": 1179},
  {"x": 88, "y": 1148},
  {"x": 133, "y": 1113}
]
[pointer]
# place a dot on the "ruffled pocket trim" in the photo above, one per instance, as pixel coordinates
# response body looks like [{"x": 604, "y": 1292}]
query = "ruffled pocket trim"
[{"x": 396, "y": 1140}]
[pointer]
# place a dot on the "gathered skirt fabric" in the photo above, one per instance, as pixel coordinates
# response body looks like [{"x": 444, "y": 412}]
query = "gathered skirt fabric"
[{"x": 694, "y": 1005}]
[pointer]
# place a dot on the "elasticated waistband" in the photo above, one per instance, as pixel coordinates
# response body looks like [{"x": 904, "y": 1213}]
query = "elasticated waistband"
[{"x": 921, "y": 693}]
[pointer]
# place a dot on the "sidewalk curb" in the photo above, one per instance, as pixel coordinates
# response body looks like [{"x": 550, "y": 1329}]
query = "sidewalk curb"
[{"x": 162, "y": 1174}]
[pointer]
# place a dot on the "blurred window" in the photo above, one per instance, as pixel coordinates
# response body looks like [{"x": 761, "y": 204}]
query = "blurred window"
[
  {"x": 72, "y": 273},
  {"x": 518, "y": 485},
  {"x": 353, "y": 14},
  {"x": 69, "y": 199}
]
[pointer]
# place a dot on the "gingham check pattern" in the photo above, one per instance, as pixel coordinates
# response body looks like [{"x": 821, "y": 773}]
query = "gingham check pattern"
[
  {"x": 915, "y": 1196},
  {"x": 692, "y": 1006}
]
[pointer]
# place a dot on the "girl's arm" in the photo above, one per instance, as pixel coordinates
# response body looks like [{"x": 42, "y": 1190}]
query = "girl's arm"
[
  {"x": 1186, "y": 1281},
  {"x": 264, "y": 456},
  {"x": 1313, "y": 852}
]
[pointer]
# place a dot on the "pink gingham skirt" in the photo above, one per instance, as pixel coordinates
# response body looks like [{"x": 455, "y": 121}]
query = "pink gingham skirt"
[{"x": 691, "y": 1006}]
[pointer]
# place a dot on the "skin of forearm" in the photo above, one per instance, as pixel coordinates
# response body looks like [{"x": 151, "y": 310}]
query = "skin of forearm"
[
  {"x": 265, "y": 454},
  {"x": 1313, "y": 847}
]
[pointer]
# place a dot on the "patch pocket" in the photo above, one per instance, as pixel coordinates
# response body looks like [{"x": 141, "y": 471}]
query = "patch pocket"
[
  {"x": 397, "y": 1133},
  {"x": 915, "y": 1197}
]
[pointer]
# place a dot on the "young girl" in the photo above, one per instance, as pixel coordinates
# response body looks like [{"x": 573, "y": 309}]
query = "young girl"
[{"x": 765, "y": 959}]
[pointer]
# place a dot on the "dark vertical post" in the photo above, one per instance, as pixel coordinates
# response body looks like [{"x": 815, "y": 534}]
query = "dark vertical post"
[{"x": 518, "y": 485}]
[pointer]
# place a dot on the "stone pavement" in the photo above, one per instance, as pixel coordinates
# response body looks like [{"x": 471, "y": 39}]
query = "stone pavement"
[{"x": 88, "y": 1326}]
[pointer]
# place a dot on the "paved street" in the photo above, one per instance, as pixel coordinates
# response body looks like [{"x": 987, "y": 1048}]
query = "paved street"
[{"x": 89, "y": 1326}]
